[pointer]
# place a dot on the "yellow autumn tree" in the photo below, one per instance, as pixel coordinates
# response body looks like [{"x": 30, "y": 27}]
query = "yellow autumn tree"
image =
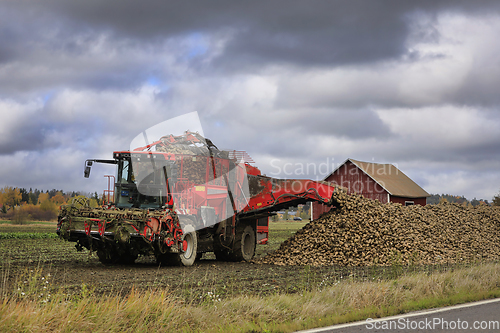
[
  {"x": 42, "y": 198},
  {"x": 45, "y": 203},
  {"x": 10, "y": 196},
  {"x": 58, "y": 199}
]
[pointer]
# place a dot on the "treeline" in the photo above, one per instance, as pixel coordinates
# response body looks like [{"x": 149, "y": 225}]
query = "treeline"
[
  {"x": 20, "y": 204},
  {"x": 437, "y": 198},
  {"x": 13, "y": 196}
]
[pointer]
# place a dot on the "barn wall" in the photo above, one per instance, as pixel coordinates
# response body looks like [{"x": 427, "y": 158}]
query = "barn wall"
[
  {"x": 354, "y": 180},
  {"x": 401, "y": 200},
  {"x": 318, "y": 209}
]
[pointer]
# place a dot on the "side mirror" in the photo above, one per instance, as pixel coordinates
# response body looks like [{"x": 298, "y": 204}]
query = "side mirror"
[{"x": 86, "y": 172}]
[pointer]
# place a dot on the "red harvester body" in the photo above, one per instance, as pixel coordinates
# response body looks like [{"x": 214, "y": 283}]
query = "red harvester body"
[{"x": 180, "y": 197}]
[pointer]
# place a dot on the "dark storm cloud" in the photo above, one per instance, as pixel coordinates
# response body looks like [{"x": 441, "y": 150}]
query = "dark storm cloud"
[
  {"x": 32, "y": 139},
  {"x": 343, "y": 33},
  {"x": 300, "y": 32},
  {"x": 52, "y": 41},
  {"x": 21, "y": 127},
  {"x": 312, "y": 32}
]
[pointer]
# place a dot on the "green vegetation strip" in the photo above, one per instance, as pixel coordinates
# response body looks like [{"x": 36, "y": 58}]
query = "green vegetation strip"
[
  {"x": 26, "y": 223},
  {"x": 159, "y": 309},
  {"x": 27, "y": 235}
]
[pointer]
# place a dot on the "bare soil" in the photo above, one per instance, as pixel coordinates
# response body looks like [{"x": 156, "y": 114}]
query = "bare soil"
[{"x": 70, "y": 271}]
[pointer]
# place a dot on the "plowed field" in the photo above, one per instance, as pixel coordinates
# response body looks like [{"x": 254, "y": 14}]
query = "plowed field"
[
  {"x": 52, "y": 265},
  {"x": 69, "y": 271}
]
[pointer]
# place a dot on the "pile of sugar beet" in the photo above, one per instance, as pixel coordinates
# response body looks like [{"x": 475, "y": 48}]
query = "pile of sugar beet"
[{"x": 364, "y": 232}]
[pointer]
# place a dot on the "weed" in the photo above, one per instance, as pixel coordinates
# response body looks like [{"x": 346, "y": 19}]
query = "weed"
[
  {"x": 210, "y": 297},
  {"x": 86, "y": 291},
  {"x": 34, "y": 284}
]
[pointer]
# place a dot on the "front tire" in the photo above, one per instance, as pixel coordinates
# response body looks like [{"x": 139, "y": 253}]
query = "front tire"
[
  {"x": 110, "y": 256},
  {"x": 188, "y": 257},
  {"x": 106, "y": 257}
]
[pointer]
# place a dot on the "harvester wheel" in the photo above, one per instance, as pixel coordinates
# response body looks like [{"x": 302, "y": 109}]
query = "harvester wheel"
[
  {"x": 222, "y": 255},
  {"x": 185, "y": 258},
  {"x": 167, "y": 259},
  {"x": 244, "y": 244},
  {"x": 126, "y": 258},
  {"x": 109, "y": 256},
  {"x": 188, "y": 257},
  {"x": 106, "y": 257}
]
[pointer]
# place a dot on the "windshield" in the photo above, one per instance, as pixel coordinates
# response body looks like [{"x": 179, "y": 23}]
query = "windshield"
[
  {"x": 142, "y": 181},
  {"x": 125, "y": 174}
]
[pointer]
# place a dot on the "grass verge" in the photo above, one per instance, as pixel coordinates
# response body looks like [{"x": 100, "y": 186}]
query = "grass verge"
[{"x": 33, "y": 308}]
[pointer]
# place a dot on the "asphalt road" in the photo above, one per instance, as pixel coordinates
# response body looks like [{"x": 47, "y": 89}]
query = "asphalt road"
[{"x": 483, "y": 316}]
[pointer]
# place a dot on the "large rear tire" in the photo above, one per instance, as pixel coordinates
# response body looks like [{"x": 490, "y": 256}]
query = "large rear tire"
[{"x": 244, "y": 244}]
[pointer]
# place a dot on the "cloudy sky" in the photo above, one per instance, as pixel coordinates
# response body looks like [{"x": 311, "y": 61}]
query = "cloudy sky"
[{"x": 300, "y": 85}]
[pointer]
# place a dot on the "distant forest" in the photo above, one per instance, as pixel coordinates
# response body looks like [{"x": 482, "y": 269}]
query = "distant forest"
[
  {"x": 19, "y": 195},
  {"x": 20, "y": 204},
  {"x": 25, "y": 196},
  {"x": 436, "y": 198}
]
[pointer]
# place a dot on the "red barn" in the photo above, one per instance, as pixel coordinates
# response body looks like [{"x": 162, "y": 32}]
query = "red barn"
[{"x": 382, "y": 182}]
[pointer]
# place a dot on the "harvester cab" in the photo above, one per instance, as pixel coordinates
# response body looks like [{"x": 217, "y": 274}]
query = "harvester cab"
[{"x": 151, "y": 188}]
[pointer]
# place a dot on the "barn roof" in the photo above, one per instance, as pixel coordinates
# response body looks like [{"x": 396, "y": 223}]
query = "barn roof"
[{"x": 393, "y": 180}]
